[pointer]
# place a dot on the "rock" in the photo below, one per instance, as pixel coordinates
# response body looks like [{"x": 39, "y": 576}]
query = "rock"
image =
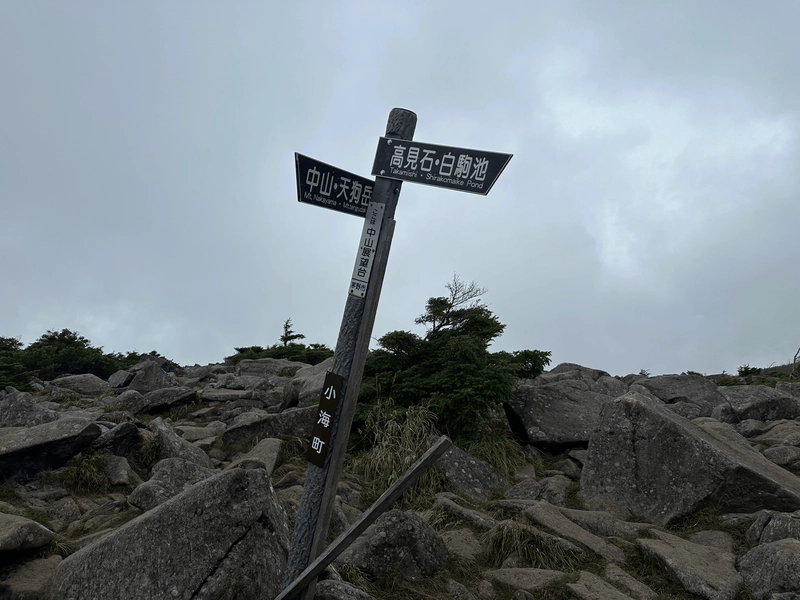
[
  {"x": 18, "y": 534},
  {"x": 635, "y": 587},
  {"x": 772, "y": 568},
  {"x": 171, "y": 445},
  {"x": 527, "y": 489},
  {"x": 603, "y": 523},
  {"x": 771, "y": 526},
  {"x": 398, "y": 540},
  {"x": 576, "y": 371},
  {"x": 169, "y": 478},
  {"x": 20, "y": 409},
  {"x": 445, "y": 503},
  {"x": 568, "y": 468},
  {"x": 461, "y": 542},
  {"x": 782, "y": 455},
  {"x": 458, "y": 591},
  {"x": 760, "y": 402},
  {"x": 685, "y": 389},
  {"x": 591, "y": 587},
  {"x": 778, "y": 432},
  {"x": 703, "y": 570},
  {"x": 468, "y": 475},
  {"x": 786, "y": 387},
  {"x": 713, "y": 538},
  {"x": 528, "y": 580},
  {"x": 268, "y": 452},
  {"x": 212, "y": 394},
  {"x": 166, "y": 398},
  {"x": 120, "y": 379},
  {"x": 548, "y": 516},
  {"x": 223, "y": 538},
  {"x": 29, "y": 580},
  {"x": 25, "y": 451},
  {"x": 230, "y": 381},
  {"x": 119, "y": 472},
  {"x": 149, "y": 376},
  {"x": 304, "y": 389},
  {"x": 339, "y": 590},
  {"x": 193, "y": 434},
  {"x": 268, "y": 367},
  {"x": 293, "y": 422},
  {"x": 129, "y": 400},
  {"x": 120, "y": 439},
  {"x": 85, "y": 385},
  {"x": 559, "y": 413},
  {"x": 554, "y": 489},
  {"x": 695, "y": 465}
]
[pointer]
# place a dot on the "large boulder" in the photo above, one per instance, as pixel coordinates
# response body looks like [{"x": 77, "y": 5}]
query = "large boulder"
[
  {"x": 171, "y": 445},
  {"x": 24, "y": 451},
  {"x": 772, "y": 568},
  {"x": 169, "y": 478},
  {"x": 295, "y": 422},
  {"x": 149, "y": 376},
  {"x": 225, "y": 537},
  {"x": 86, "y": 385},
  {"x": 304, "y": 389},
  {"x": 20, "y": 409},
  {"x": 554, "y": 414},
  {"x": 689, "y": 389},
  {"x": 469, "y": 475},
  {"x": 398, "y": 540},
  {"x": 757, "y": 402},
  {"x": 166, "y": 398},
  {"x": 268, "y": 367},
  {"x": 703, "y": 570},
  {"x": 651, "y": 462},
  {"x": 18, "y": 534}
]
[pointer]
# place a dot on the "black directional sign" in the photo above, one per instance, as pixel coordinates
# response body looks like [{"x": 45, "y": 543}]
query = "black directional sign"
[
  {"x": 462, "y": 169},
  {"x": 331, "y": 187},
  {"x": 321, "y": 430}
]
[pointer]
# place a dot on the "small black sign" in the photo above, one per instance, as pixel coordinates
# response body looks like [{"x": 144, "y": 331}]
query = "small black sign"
[
  {"x": 473, "y": 171},
  {"x": 321, "y": 431},
  {"x": 330, "y": 187}
]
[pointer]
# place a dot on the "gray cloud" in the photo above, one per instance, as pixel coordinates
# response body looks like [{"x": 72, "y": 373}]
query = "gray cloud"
[{"x": 647, "y": 219}]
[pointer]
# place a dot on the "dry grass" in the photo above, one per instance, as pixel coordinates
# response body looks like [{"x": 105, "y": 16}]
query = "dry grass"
[{"x": 400, "y": 440}]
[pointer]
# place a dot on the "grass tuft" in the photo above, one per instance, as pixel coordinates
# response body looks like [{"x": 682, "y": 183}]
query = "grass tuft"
[
  {"x": 83, "y": 474},
  {"x": 401, "y": 438},
  {"x": 531, "y": 547}
]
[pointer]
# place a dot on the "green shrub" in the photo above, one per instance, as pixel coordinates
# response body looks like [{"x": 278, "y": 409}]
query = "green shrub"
[
  {"x": 746, "y": 370},
  {"x": 450, "y": 370}
]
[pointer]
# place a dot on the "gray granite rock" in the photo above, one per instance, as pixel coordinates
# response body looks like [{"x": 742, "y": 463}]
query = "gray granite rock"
[
  {"x": 171, "y": 445},
  {"x": 693, "y": 465},
  {"x": 703, "y": 570},
  {"x": 20, "y": 409},
  {"x": 169, "y": 478},
  {"x": 398, "y": 540},
  {"x": 772, "y": 568},
  {"x": 223, "y": 538},
  {"x": 24, "y": 451},
  {"x": 18, "y": 534}
]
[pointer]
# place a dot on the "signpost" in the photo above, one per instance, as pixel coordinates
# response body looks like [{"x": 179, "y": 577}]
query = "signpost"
[
  {"x": 398, "y": 159},
  {"x": 460, "y": 169},
  {"x": 331, "y": 187}
]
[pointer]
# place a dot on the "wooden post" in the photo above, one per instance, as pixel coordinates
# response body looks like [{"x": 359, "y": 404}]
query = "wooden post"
[
  {"x": 319, "y": 491},
  {"x": 383, "y": 503}
]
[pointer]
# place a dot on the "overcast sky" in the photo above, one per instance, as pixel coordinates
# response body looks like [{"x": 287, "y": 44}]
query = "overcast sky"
[{"x": 649, "y": 219}]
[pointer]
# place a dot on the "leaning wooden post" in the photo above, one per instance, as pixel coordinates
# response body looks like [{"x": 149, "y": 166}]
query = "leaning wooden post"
[{"x": 319, "y": 491}]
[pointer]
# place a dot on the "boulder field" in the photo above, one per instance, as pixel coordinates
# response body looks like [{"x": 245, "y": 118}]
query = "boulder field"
[{"x": 184, "y": 484}]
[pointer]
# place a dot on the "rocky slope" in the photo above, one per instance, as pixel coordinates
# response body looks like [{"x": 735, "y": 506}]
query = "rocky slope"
[{"x": 184, "y": 484}]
